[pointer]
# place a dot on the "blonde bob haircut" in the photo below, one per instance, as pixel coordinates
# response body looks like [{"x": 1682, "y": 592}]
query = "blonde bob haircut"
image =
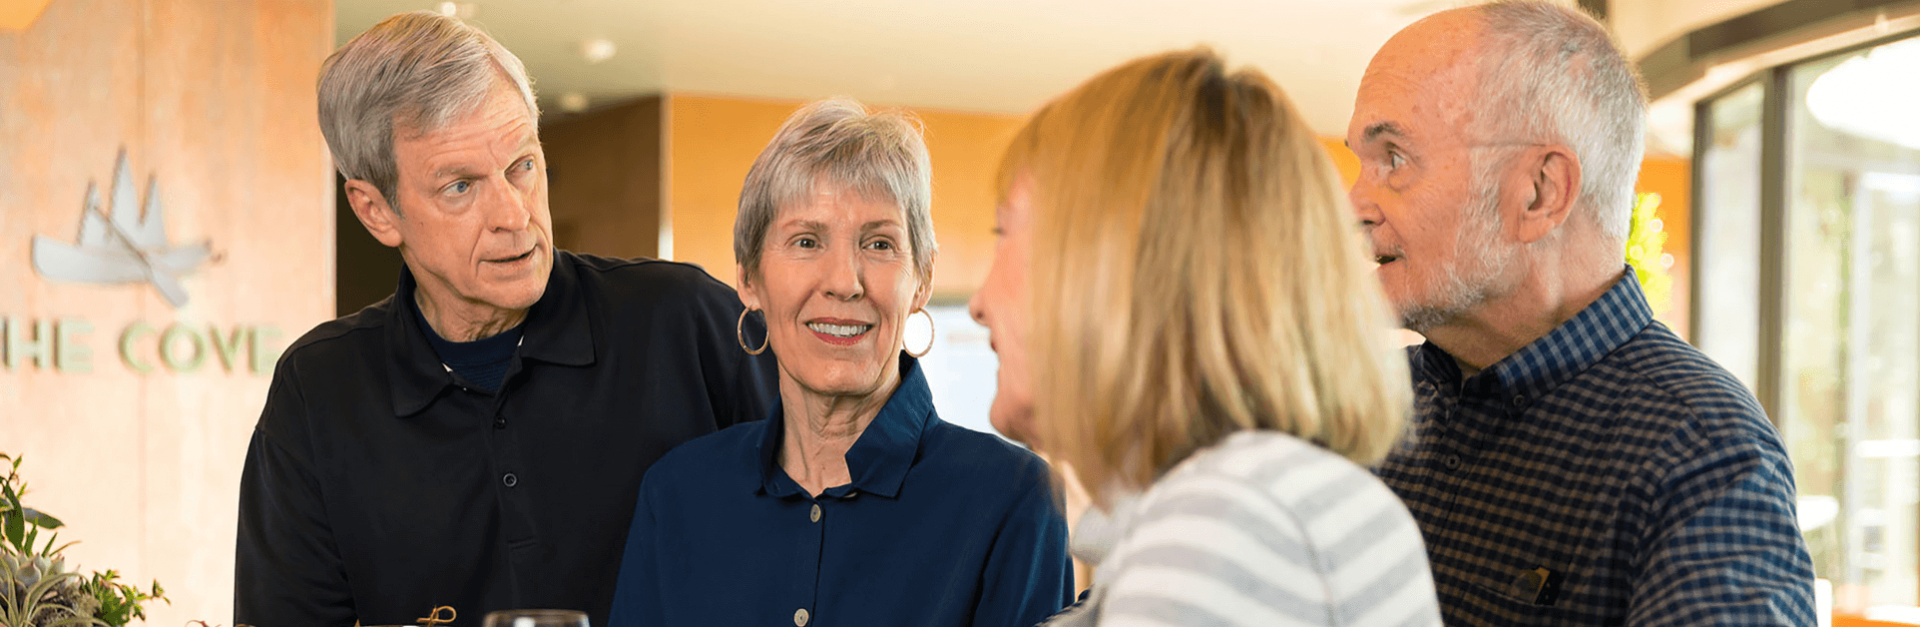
[{"x": 1195, "y": 273}]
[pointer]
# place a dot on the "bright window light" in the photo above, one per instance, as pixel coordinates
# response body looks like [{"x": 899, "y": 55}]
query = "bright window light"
[{"x": 1874, "y": 95}]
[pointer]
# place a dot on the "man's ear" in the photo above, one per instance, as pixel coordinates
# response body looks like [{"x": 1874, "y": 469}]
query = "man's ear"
[
  {"x": 371, "y": 207},
  {"x": 1553, "y": 174},
  {"x": 745, "y": 289}
]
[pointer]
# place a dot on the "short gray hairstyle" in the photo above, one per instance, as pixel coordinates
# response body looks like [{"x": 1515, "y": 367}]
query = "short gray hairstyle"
[
  {"x": 838, "y": 142},
  {"x": 1553, "y": 73},
  {"x": 419, "y": 72}
]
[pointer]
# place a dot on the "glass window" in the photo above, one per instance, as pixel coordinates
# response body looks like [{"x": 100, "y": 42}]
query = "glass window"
[
  {"x": 1850, "y": 353},
  {"x": 961, "y": 368},
  {"x": 1728, "y": 224}
]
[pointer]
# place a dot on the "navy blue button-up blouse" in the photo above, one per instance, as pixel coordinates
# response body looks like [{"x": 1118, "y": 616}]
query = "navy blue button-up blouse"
[{"x": 940, "y": 525}]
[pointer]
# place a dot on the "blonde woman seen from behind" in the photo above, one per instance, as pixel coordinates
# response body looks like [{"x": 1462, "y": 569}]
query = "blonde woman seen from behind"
[{"x": 1182, "y": 316}]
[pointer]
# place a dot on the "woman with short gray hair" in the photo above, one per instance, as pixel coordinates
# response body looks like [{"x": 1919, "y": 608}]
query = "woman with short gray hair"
[{"x": 853, "y": 504}]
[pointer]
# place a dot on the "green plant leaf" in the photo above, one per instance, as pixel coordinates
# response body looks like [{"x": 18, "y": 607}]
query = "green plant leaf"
[
  {"x": 42, "y": 519},
  {"x": 17, "y": 532}
]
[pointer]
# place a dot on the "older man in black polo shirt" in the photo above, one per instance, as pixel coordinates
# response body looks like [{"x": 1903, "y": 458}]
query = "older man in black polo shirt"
[{"x": 477, "y": 440}]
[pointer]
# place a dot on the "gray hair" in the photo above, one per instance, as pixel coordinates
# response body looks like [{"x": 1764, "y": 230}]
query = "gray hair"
[
  {"x": 1553, "y": 73},
  {"x": 418, "y": 71},
  {"x": 837, "y": 142}
]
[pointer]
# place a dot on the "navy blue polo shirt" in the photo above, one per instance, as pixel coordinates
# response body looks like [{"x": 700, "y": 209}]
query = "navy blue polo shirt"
[{"x": 940, "y": 526}]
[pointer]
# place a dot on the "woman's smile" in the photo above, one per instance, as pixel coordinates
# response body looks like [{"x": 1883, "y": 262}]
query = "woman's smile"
[{"x": 839, "y": 332}]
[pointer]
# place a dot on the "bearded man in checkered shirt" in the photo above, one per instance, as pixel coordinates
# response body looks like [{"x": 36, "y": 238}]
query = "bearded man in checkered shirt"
[{"x": 1571, "y": 460}]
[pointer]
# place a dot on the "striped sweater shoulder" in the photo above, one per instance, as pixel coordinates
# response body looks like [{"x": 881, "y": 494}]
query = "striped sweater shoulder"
[{"x": 1264, "y": 529}]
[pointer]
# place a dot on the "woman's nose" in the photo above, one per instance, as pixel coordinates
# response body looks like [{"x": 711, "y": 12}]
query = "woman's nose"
[{"x": 843, "y": 276}]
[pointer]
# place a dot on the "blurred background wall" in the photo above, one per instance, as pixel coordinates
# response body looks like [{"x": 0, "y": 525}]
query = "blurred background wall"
[{"x": 133, "y": 412}]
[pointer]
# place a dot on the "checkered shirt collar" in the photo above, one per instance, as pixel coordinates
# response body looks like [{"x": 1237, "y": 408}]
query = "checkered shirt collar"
[{"x": 1619, "y": 315}]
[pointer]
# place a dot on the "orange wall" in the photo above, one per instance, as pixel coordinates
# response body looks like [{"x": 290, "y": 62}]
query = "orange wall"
[
  {"x": 1343, "y": 159},
  {"x": 713, "y": 140},
  {"x": 1672, "y": 178}
]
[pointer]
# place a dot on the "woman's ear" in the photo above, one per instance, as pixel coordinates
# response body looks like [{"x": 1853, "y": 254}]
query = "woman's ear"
[
  {"x": 745, "y": 288},
  {"x": 923, "y": 293}
]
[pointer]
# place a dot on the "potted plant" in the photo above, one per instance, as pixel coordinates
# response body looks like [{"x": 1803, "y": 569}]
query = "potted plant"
[{"x": 36, "y": 589}]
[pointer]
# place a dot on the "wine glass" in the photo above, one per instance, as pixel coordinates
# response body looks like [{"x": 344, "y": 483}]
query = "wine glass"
[{"x": 536, "y": 618}]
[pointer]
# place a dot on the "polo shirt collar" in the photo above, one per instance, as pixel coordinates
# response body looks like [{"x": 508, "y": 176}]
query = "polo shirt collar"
[
  {"x": 1576, "y": 345},
  {"x": 557, "y": 330},
  {"x": 879, "y": 460}
]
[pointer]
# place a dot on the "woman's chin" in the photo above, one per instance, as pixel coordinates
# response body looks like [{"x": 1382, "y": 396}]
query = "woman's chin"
[
  {"x": 833, "y": 377},
  {"x": 1015, "y": 423}
]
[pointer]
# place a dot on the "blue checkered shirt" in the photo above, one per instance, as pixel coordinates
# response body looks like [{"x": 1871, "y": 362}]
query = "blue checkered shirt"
[{"x": 1607, "y": 474}]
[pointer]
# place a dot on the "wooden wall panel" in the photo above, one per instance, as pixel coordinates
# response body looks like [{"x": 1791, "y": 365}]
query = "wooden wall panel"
[
  {"x": 69, "y": 107},
  {"x": 605, "y": 176},
  {"x": 711, "y": 142},
  {"x": 213, "y": 100}
]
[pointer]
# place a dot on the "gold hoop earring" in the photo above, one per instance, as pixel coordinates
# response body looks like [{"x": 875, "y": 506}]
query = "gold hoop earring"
[
  {"x": 930, "y": 334},
  {"x": 740, "y": 333}
]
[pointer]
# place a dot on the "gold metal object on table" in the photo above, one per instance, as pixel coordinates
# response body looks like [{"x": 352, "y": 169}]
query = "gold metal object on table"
[{"x": 434, "y": 620}]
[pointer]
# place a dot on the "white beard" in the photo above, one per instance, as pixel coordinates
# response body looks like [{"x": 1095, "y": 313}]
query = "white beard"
[{"x": 1470, "y": 278}]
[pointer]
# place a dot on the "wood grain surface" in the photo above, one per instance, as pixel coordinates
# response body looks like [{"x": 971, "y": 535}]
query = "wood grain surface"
[{"x": 213, "y": 101}]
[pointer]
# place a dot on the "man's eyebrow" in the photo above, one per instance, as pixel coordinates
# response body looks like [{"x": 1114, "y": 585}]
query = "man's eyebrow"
[
  {"x": 527, "y": 141},
  {"x": 1377, "y": 129},
  {"x": 460, "y": 171}
]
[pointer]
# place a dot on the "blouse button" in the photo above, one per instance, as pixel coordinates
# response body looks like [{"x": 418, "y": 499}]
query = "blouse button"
[
  {"x": 800, "y": 617},
  {"x": 815, "y": 517}
]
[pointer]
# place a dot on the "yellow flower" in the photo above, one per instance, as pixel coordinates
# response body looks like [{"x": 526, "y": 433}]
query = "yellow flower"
[{"x": 1645, "y": 239}]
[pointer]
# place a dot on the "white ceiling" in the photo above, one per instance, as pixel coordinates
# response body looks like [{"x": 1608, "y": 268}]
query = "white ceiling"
[{"x": 1004, "y": 56}]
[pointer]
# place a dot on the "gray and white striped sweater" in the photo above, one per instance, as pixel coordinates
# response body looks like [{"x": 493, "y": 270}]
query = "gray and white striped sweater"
[{"x": 1261, "y": 529}]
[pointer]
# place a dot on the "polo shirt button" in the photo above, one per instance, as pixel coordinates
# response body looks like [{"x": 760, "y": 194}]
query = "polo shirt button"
[
  {"x": 1452, "y": 462},
  {"x": 509, "y": 480},
  {"x": 800, "y": 617},
  {"x": 815, "y": 517}
]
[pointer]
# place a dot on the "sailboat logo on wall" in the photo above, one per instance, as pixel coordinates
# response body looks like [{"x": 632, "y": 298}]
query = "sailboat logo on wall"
[{"x": 129, "y": 247}]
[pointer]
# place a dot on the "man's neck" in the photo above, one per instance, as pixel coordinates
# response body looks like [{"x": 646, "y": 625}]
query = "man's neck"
[
  {"x": 465, "y": 321},
  {"x": 1503, "y": 326}
]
